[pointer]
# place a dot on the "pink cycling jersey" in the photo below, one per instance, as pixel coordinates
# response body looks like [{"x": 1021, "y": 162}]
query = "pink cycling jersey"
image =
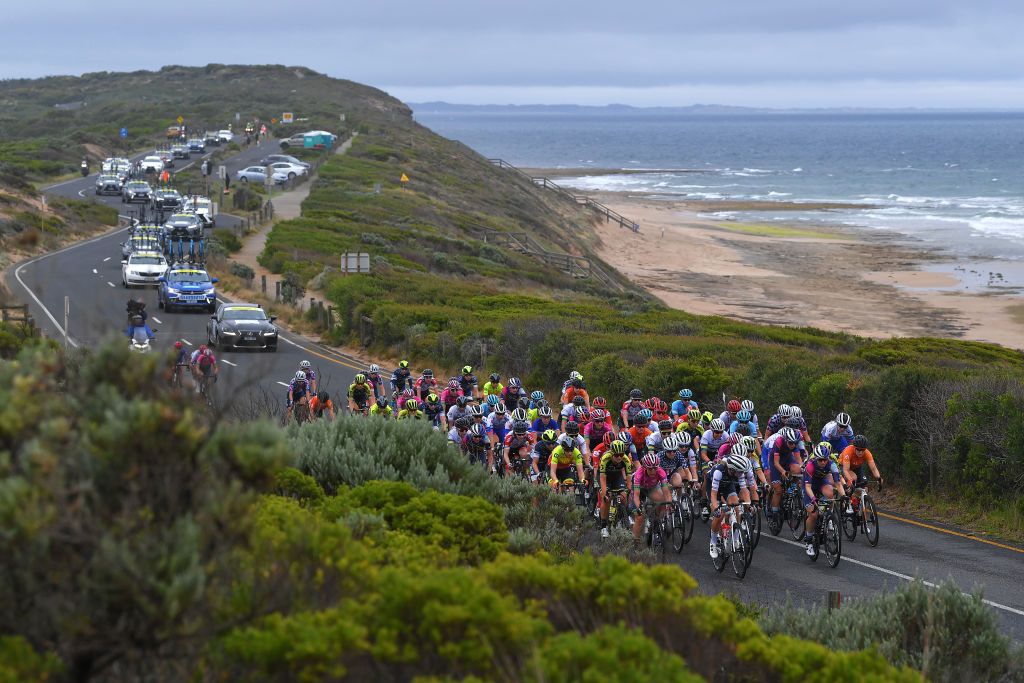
[{"x": 646, "y": 481}]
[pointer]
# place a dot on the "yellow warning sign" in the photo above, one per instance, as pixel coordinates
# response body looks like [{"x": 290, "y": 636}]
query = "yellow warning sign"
[
  {"x": 273, "y": 120},
  {"x": 404, "y": 178},
  {"x": 180, "y": 120}
]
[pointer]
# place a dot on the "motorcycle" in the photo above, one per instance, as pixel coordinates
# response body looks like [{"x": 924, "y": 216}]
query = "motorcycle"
[{"x": 139, "y": 342}]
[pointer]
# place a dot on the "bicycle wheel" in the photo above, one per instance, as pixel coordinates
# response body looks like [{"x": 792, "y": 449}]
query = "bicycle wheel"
[
  {"x": 660, "y": 539},
  {"x": 739, "y": 550},
  {"x": 723, "y": 557},
  {"x": 754, "y": 523},
  {"x": 795, "y": 519},
  {"x": 849, "y": 523},
  {"x": 592, "y": 502},
  {"x": 748, "y": 544},
  {"x": 688, "y": 517},
  {"x": 678, "y": 534},
  {"x": 833, "y": 540},
  {"x": 774, "y": 520},
  {"x": 870, "y": 520},
  {"x": 816, "y": 541}
]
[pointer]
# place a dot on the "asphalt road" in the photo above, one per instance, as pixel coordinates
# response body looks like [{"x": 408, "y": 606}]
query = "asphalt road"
[{"x": 89, "y": 274}]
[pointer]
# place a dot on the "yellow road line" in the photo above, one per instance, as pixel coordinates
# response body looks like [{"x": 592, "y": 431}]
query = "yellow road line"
[{"x": 952, "y": 533}]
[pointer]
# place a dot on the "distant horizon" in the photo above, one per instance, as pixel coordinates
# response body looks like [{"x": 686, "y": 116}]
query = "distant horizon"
[{"x": 711, "y": 107}]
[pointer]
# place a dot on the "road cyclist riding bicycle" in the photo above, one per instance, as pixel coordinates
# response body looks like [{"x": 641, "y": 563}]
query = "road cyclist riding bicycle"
[
  {"x": 650, "y": 482},
  {"x": 320, "y": 405},
  {"x": 615, "y": 472},
  {"x": 381, "y": 408},
  {"x": 359, "y": 393},
  {"x": 298, "y": 393},
  {"x": 820, "y": 480},
  {"x": 731, "y": 482}
]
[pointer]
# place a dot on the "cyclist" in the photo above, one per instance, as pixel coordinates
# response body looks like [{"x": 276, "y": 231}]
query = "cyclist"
[
  {"x": 778, "y": 420},
  {"x": 497, "y": 423},
  {"x": 376, "y": 380},
  {"x": 838, "y": 432},
  {"x": 457, "y": 434},
  {"x": 712, "y": 439},
  {"x": 460, "y": 409},
  {"x": 641, "y": 430},
  {"x": 853, "y": 458},
  {"x": 477, "y": 446},
  {"x": 410, "y": 410},
  {"x": 598, "y": 427},
  {"x": 425, "y": 384},
  {"x": 298, "y": 391},
  {"x": 820, "y": 476},
  {"x": 511, "y": 394},
  {"x": 204, "y": 366},
  {"x": 544, "y": 420},
  {"x": 321, "y": 404},
  {"x": 571, "y": 411},
  {"x": 546, "y": 443},
  {"x": 783, "y": 456},
  {"x": 433, "y": 410},
  {"x": 574, "y": 390},
  {"x": 678, "y": 461},
  {"x": 572, "y": 430},
  {"x": 468, "y": 383},
  {"x": 573, "y": 376},
  {"x": 382, "y": 408},
  {"x": 564, "y": 457},
  {"x": 748, "y": 405},
  {"x": 615, "y": 472},
  {"x": 181, "y": 360},
  {"x": 307, "y": 368},
  {"x": 728, "y": 415},
  {"x": 631, "y": 408},
  {"x": 731, "y": 479},
  {"x": 451, "y": 394},
  {"x": 753, "y": 448},
  {"x": 518, "y": 444},
  {"x": 494, "y": 387},
  {"x": 400, "y": 377},
  {"x": 683, "y": 404},
  {"x": 690, "y": 422},
  {"x": 359, "y": 395},
  {"x": 490, "y": 400},
  {"x": 536, "y": 400},
  {"x": 649, "y": 481},
  {"x": 655, "y": 441},
  {"x": 799, "y": 415}
]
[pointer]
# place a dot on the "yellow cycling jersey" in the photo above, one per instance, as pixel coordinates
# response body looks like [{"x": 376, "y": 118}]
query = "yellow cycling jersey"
[
  {"x": 609, "y": 467},
  {"x": 561, "y": 458},
  {"x": 410, "y": 414},
  {"x": 493, "y": 388},
  {"x": 386, "y": 411}
]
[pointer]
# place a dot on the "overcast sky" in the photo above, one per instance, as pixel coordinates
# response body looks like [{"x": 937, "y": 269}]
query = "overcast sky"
[{"x": 929, "y": 53}]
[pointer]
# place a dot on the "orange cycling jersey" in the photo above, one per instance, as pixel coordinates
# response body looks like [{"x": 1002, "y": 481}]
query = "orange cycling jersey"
[
  {"x": 573, "y": 392},
  {"x": 315, "y": 406},
  {"x": 850, "y": 459},
  {"x": 639, "y": 434}
]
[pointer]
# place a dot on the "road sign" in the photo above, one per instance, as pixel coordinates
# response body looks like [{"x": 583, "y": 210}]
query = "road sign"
[
  {"x": 124, "y": 132},
  {"x": 404, "y": 179},
  {"x": 273, "y": 120},
  {"x": 181, "y": 120},
  {"x": 288, "y": 117},
  {"x": 238, "y": 117},
  {"x": 355, "y": 262}
]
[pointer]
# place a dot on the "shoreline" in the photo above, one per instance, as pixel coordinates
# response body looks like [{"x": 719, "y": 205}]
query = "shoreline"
[{"x": 872, "y": 283}]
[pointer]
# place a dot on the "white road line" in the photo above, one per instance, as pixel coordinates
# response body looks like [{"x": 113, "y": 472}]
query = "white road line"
[
  {"x": 898, "y": 575},
  {"x": 234, "y": 365},
  {"x": 106, "y": 259},
  {"x": 186, "y": 341},
  {"x": 17, "y": 276},
  {"x": 81, "y": 193},
  {"x": 111, "y": 283},
  {"x": 157, "y": 320},
  {"x": 95, "y": 272},
  {"x": 282, "y": 384},
  {"x": 288, "y": 341}
]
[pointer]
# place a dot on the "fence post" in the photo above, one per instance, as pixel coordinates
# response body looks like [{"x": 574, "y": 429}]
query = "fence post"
[
  {"x": 833, "y": 600},
  {"x": 263, "y": 283},
  {"x": 277, "y": 291},
  {"x": 330, "y": 318}
]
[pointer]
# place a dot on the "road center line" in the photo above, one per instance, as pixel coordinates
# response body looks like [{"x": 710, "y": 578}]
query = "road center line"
[
  {"x": 106, "y": 259},
  {"x": 95, "y": 272},
  {"x": 282, "y": 384},
  {"x": 234, "y": 365},
  {"x": 186, "y": 341},
  {"x": 951, "y": 533},
  {"x": 111, "y": 283},
  {"x": 898, "y": 575},
  {"x": 157, "y": 320}
]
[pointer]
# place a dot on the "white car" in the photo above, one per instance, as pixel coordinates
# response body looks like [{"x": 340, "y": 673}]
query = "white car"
[
  {"x": 224, "y": 136},
  {"x": 143, "y": 268},
  {"x": 258, "y": 174},
  {"x": 201, "y": 206},
  {"x": 289, "y": 169},
  {"x": 151, "y": 164}
]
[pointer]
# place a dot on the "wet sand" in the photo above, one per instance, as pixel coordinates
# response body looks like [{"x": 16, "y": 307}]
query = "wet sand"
[{"x": 875, "y": 284}]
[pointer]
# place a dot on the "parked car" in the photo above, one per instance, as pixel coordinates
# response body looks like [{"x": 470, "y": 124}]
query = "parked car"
[
  {"x": 236, "y": 326},
  {"x": 290, "y": 170},
  {"x": 187, "y": 288},
  {"x": 151, "y": 164},
  {"x": 287, "y": 158},
  {"x": 258, "y": 174},
  {"x": 143, "y": 268},
  {"x": 136, "y": 191},
  {"x": 297, "y": 140},
  {"x": 108, "y": 184}
]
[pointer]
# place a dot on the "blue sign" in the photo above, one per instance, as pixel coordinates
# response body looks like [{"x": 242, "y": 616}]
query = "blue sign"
[{"x": 124, "y": 132}]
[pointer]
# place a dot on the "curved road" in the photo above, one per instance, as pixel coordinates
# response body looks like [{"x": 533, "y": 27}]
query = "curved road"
[{"x": 89, "y": 273}]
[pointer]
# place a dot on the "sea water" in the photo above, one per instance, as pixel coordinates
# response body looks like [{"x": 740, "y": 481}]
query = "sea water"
[{"x": 953, "y": 180}]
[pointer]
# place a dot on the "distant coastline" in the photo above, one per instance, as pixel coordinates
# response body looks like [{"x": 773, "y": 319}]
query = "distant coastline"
[{"x": 690, "y": 110}]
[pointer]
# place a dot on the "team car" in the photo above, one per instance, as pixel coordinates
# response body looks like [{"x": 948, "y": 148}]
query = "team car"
[
  {"x": 108, "y": 183},
  {"x": 201, "y": 207},
  {"x": 242, "y": 326},
  {"x": 136, "y": 191},
  {"x": 152, "y": 164},
  {"x": 166, "y": 199},
  {"x": 140, "y": 242},
  {"x": 183, "y": 221},
  {"x": 187, "y": 287},
  {"x": 181, "y": 151},
  {"x": 143, "y": 268}
]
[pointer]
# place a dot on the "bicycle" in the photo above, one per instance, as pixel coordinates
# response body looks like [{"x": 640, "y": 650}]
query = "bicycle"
[
  {"x": 753, "y": 516},
  {"x": 660, "y": 529},
  {"x": 521, "y": 468},
  {"x": 827, "y": 534},
  {"x": 179, "y": 370},
  {"x": 300, "y": 410},
  {"x": 791, "y": 510},
  {"x": 204, "y": 388},
  {"x": 734, "y": 542},
  {"x": 684, "y": 514},
  {"x": 864, "y": 516},
  {"x": 618, "y": 511}
]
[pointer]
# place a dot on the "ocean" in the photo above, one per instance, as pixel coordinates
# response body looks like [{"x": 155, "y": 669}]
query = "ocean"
[{"x": 954, "y": 181}]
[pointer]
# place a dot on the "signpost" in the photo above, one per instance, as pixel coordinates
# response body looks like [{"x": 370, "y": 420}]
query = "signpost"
[
  {"x": 404, "y": 180},
  {"x": 124, "y": 133},
  {"x": 181, "y": 120},
  {"x": 288, "y": 117}
]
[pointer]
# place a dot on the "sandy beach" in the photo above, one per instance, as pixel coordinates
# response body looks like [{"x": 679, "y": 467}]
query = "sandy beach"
[{"x": 874, "y": 283}]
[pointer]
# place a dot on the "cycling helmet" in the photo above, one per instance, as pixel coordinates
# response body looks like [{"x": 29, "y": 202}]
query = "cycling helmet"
[
  {"x": 202, "y": 347},
  {"x": 649, "y": 460},
  {"x": 476, "y": 411},
  {"x": 793, "y": 422},
  {"x": 734, "y": 406},
  {"x": 549, "y": 435},
  {"x": 575, "y": 375},
  {"x": 578, "y": 401},
  {"x": 693, "y": 415},
  {"x": 652, "y": 402},
  {"x": 523, "y": 402},
  {"x": 403, "y": 364},
  {"x": 737, "y": 462},
  {"x": 743, "y": 416},
  {"x": 572, "y": 429},
  {"x": 453, "y": 384},
  {"x": 467, "y": 370},
  {"x": 463, "y": 423},
  {"x": 544, "y": 411},
  {"x": 477, "y": 431},
  {"x": 305, "y": 365},
  {"x": 608, "y": 438},
  {"x": 860, "y": 441},
  {"x": 513, "y": 382},
  {"x": 411, "y": 404},
  {"x": 566, "y": 441},
  {"x": 576, "y": 383},
  {"x": 624, "y": 435},
  {"x": 324, "y": 397},
  {"x": 823, "y": 450},
  {"x": 381, "y": 402},
  {"x": 599, "y": 402},
  {"x": 738, "y": 449},
  {"x": 461, "y": 401},
  {"x": 374, "y": 368},
  {"x": 747, "y": 405},
  {"x": 785, "y": 410},
  {"x": 790, "y": 435},
  {"x": 360, "y": 378},
  {"x": 428, "y": 373},
  {"x": 618, "y": 447},
  {"x": 843, "y": 420},
  {"x": 499, "y": 409},
  {"x": 671, "y": 442},
  {"x": 495, "y": 377},
  {"x": 717, "y": 425},
  {"x": 518, "y": 414},
  {"x": 749, "y": 444},
  {"x": 685, "y": 394},
  {"x": 665, "y": 426},
  {"x": 582, "y": 413},
  {"x": 177, "y": 344},
  {"x": 598, "y": 415},
  {"x": 645, "y": 415},
  {"x": 492, "y": 399},
  {"x": 636, "y": 395},
  {"x": 299, "y": 375},
  {"x": 707, "y": 416},
  {"x": 797, "y": 412},
  {"x": 520, "y": 426},
  {"x": 733, "y": 438}
]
